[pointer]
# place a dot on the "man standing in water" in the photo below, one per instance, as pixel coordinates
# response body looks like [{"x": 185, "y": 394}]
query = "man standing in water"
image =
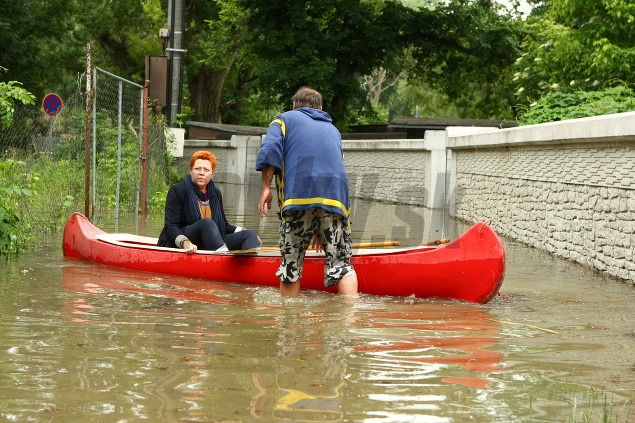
[{"x": 304, "y": 150}]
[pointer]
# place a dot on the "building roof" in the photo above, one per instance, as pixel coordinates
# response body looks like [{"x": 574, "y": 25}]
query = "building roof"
[
  {"x": 220, "y": 131},
  {"x": 414, "y": 128},
  {"x": 442, "y": 123}
]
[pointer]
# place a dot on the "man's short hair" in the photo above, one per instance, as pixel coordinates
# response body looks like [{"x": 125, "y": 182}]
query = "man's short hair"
[{"x": 307, "y": 97}]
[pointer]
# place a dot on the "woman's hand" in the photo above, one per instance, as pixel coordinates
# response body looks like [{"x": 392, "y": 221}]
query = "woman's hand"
[{"x": 189, "y": 247}]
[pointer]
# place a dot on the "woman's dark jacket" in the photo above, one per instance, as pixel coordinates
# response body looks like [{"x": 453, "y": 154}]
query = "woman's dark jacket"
[{"x": 178, "y": 215}]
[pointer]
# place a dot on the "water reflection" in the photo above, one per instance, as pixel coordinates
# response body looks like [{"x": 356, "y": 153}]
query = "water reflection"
[
  {"x": 92, "y": 279},
  {"x": 463, "y": 337},
  {"x": 82, "y": 342},
  {"x": 311, "y": 362},
  {"x": 316, "y": 358}
]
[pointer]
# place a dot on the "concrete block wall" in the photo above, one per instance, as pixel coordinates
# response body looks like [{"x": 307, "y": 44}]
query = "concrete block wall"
[
  {"x": 564, "y": 187},
  {"x": 230, "y": 155},
  {"x": 392, "y": 171}
]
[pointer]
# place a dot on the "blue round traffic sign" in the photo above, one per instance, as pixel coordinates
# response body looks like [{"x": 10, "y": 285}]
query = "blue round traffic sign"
[{"x": 52, "y": 104}]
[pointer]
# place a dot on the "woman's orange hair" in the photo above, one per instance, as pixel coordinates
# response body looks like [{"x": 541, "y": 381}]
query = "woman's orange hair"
[{"x": 203, "y": 155}]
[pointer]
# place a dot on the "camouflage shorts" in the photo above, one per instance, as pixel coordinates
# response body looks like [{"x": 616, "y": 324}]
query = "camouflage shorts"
[{"x": 296, "y": 232}]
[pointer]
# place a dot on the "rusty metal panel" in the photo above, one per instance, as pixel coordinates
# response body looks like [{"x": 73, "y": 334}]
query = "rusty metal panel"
[{"x": 157, "y": 74}]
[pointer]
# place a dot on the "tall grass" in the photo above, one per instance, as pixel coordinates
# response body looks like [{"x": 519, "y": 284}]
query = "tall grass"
[
  {"x": 596, "y": 406},
  {"x": 39, "y": 191}
]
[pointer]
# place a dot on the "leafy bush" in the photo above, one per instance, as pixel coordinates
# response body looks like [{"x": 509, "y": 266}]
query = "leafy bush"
[
  {"x": 42, "y": 190},
  {"x": 14, "y": 232},
  {"x": 557, "y": 105},
  {"x": 10, "y": 92}
]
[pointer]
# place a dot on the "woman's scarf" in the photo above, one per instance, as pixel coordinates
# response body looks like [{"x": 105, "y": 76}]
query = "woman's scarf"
[{"x": 194, "y": 194}]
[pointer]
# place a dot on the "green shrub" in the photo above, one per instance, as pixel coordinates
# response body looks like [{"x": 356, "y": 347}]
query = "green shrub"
[
  {"x": 557, "y": 105},
  {"x": 15, "y": 233},
  {"x": 10, "y": 92}
]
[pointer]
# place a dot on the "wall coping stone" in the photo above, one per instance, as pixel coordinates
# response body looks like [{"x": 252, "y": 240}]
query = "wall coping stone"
[
  {"x": 235, "y": 142},
  {"x": 613, "y": 127},
  {"x": 388, "y": 144}
]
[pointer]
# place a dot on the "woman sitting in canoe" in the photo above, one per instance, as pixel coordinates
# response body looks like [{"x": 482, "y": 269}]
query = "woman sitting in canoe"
[{"x": 194, "y": 215}]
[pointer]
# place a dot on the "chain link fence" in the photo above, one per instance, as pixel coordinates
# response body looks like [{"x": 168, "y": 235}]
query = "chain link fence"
[
  {"x": 116, "y": 139},
  {"x": 117, "y": 125},
  {"x": 34, "y": 132}
]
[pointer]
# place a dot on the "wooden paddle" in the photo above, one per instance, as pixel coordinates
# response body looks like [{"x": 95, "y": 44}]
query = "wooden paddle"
[
  {"x": 436, "y": 242},
  {"x": 376, "y": 244},
  {"x": 372, "y": 244},
  {"x": 355, "y": 246},
  {"x": 397, "y": 243}
]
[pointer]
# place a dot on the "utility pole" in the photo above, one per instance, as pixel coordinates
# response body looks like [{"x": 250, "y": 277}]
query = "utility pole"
[{"x": 176, "y": 27}]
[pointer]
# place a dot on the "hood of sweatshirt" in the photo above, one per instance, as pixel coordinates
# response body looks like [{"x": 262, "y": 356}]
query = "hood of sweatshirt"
[{"x": 315, "y": 114}]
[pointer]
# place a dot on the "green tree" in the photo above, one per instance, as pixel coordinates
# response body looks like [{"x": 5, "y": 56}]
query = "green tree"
[
  {"x": 215, "y": 36},
  {"x": 556, "y": 105},
  {"x": 573, "y": 45},
  {"x": 333, "y": 44},
  {"x": 13, "y": 235},
  {"x": 463, "y": 50},
  {"x": 44, "y": 42},
  {"x": 37, "y": 43},
  {"x": 328, "y": 44},
  {"x": 11, "y": 92},
  {"x": 122, "y": 33}
]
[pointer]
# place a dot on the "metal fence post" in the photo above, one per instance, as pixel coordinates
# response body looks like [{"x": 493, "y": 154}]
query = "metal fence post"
[{"x": 89, "y": 101}]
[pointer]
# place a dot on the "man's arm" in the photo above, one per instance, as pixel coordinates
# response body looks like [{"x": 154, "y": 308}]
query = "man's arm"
[{"x": 265, "y": 195}]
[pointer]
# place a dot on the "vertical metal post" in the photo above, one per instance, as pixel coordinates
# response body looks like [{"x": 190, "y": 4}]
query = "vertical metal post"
[
  {"x": 94, "y": 143},
  {"x": 144, "y": 151},
  {"x": 176, "y": 26},
  {"x": 89, "y": 99},
  {"x": 119, "y": 131}
]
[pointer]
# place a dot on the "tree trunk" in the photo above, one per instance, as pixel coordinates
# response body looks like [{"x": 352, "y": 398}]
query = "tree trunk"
[
  {"x": 338, "y": 104},
  {"x": 206, "y": 89},
  {"x": 205, "y": 95}
]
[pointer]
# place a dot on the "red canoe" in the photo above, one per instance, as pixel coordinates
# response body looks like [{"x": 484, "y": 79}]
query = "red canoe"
[{"x": 470, "y": 268}]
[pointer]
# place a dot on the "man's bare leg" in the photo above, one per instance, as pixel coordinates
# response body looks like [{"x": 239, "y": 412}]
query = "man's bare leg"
[
  {"x": 290, "y": 289},
  {"x": 347, "y": 285}
]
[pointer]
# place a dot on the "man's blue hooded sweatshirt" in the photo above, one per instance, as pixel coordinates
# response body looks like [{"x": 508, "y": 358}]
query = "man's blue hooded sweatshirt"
[{"x": 305, "y": 148}]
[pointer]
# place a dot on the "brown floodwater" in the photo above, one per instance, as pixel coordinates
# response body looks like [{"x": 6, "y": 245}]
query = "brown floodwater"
[{"x": 88, "y": 343}]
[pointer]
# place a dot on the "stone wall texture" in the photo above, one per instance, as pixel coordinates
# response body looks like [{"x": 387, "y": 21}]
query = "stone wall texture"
[
  {"x": 392, "y": 171},
  {"x": 569, "y": 195},
  {"x": 389, "y": 176}
]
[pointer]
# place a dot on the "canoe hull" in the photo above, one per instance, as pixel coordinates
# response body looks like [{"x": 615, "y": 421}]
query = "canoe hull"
[{"x": 470, "y": 268}]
